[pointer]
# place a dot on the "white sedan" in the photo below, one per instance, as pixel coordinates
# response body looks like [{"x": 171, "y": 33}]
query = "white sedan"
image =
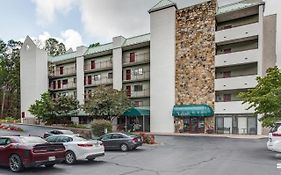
[
  {"x": 78, "y": 148},
  {"x": 274, "y": 138}
]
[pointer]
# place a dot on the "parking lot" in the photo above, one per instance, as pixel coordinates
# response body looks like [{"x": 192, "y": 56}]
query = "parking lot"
[{"x": 177, "y": 155}]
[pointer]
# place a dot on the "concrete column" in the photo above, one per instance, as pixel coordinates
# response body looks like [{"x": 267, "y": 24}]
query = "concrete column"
[
  {"x": 162, "y": 68},
  {"x": 80, "y": 74},
  {"x": 117, "y": 62}
]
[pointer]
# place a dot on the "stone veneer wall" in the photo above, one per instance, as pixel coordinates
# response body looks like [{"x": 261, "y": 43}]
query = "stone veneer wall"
[{"x": 195, "y": 54}]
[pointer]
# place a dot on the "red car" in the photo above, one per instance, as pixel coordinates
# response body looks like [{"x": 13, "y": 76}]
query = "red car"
[{"x": 19, "y": 152}]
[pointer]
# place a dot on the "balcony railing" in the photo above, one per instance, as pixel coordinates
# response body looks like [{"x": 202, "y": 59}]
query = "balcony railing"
[
  {"x": 98, "y": 66},
  {"x": 138, "y": 94},
  {"x": 66, "y": 71},
  {"x": 139, "y": 58},
  {"x": 69, "y": 85},
  {"x": 136, "y": 77},
  {"x": 242, "y": 82},
  {"x": 232, "y": 107},
  {"x": 102, "y": 81}
]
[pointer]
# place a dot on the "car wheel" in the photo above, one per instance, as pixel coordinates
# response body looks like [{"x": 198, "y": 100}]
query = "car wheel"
[
  {"x": 50, "y": 165},
  {"x": 70, "y": 157},
  {"x": 15, "y": 163},
  {"x": 124, "y": 147}
]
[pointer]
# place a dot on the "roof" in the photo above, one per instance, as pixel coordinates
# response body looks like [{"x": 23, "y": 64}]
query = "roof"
[
  {"x": 162, "y": 5},
  {"x": 137, "y": 39},
  {"x": 100, "y": 48},
  {"x": 238, "y": 6},
  {"x": 137, "y": 111},
  {"x": 63, "y": 57},
  {"x": 195, "y": 110}
]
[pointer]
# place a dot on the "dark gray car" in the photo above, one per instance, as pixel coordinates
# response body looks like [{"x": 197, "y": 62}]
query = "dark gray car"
[{"x": 120, "y": 141}]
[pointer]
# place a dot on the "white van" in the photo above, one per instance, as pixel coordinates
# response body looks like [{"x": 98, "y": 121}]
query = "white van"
[{"x": 274, "y": 138}]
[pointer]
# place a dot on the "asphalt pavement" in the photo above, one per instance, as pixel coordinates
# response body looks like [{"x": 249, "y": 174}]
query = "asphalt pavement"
[{"x": 176, "y": 155}]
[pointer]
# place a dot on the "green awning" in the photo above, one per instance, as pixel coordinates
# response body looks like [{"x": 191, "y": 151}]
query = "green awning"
[
  {"x": 137, "y": 111},
  {"x": 198, "y": 110}
]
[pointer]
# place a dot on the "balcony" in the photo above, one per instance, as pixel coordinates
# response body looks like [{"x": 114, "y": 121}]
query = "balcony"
[
  {"x": 140, "y": 58},
  {"x": 98, "y": 66},
  {"x": 244, "y": 57},
  {"x": 102, "y": 81},
  {"x": 242, "y": 82},
  {"x": 136, "y": 77},
  {"x": 236, "y": 33},
  {"x": 139, "y": 94},
  {"x": 70, "y": 71},
  {"x": 67, "y": 86},
  {"x": 232, "y": 107}
]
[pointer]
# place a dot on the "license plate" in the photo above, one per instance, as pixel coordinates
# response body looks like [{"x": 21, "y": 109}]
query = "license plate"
[{"x": 52, "y": 158}]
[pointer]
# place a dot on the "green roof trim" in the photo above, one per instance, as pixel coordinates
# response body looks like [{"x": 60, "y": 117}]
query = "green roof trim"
[
  {"x": 162, "y": 5},
  {"x": 195, "y": 110},
  {"x": 137, "y": 40},
  {"x": 137, "y": 111},
  {"x": 66, "y": 56},
  {"x": 238, "y": 6},
  {"x": 100, "y": 48}
]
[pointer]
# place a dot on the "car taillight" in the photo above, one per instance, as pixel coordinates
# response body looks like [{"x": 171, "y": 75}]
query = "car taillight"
[
  {"x": 276, "y": 134},
  {"x": 40, "y": 150},
  {"x": 85, "y": 145}
]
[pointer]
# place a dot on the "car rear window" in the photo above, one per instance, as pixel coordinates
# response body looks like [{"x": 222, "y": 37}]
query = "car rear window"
[
  {"x": 275, "y": 128},
  {"x": 32, "y": 140}
]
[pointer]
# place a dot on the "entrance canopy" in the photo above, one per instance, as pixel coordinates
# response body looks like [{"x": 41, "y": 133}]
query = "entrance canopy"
[
  {"x": 137, "y": 111},
  {"x": 201, "y": 110}
]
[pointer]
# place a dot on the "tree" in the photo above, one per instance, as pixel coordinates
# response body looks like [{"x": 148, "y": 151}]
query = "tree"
[
  {"x": 94, "y": 45},
  {"x": 43, "y": 109},
  {"x": 51, "y": 110},
  {"x": 54, "y": 47},
  {"x": 265, "y": 98},
  {"x": 107, "y": 103}
]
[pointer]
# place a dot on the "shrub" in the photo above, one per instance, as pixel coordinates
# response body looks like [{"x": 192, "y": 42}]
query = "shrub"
[
  {"x": 99, "y": 126},
  {"x": 147, "y": 138}
]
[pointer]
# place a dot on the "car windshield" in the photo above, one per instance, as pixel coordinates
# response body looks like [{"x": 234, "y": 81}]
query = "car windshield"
[
  {"x": 67, "y": 132},
  {"x": 275, "y": 128},
  {"x": 32, "y": 140}
]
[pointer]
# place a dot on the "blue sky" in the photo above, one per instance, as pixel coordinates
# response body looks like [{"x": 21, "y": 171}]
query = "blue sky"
[{"x": 77, "y": 22}]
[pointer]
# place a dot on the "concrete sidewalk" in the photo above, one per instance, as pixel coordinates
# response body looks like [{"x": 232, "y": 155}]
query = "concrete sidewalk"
[{"x": 235, "y": 136}]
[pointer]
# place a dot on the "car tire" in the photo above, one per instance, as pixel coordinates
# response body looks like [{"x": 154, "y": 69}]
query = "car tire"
[
  {"x": 92, "y": 159},
  {"x": 15, "y": 163},
  {"x": 70, "y": 157},
  {"x": 50, "y": 165},
  {"x": 124, "y": 147}
]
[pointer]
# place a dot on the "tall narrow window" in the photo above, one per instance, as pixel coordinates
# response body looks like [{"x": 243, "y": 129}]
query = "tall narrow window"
[
  {"x": 61, "y": 70},
  {"x": 54, "y": 84},
  {"x": 64, "y": 82},
  {"x": 132, "y": 57},
  {"x": 110, "y": 75},
  {"x": 93, "y": 64},
  {"x": 128, "y": 90},
  {"x": 59, "y": 84},
  {"x": 89, "y": 79}
]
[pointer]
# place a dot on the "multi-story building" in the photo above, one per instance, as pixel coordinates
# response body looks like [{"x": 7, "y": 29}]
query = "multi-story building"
[{"x": 186, "y": 73}]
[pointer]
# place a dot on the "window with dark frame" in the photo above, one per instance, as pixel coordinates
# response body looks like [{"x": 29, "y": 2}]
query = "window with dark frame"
[
  {"x": 93, "y": 64},
  {"x": 110, "y": 75},
  {"x": 132, "y": 57},
  {"x": 64, "y": 82},
  {"x": 226, "y": 97},
  {"x": 138, "y": 88},
  {"x": 89, "y": 79},
  {"x": 59, "y": 84},
  {"x": 61, "y": 70}
]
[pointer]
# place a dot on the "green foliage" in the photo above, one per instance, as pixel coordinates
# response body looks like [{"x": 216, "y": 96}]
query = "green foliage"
[
  {"x": 72, "y": 125},
  {"x": 94, "y": 45},
  {"x": 107, "y": 103},
  {"x": 99, "y": 127},
  {"x": 48, "y": 110},
  {"x": 54, "y": 47},
  {"x": 265, "y": 98}
]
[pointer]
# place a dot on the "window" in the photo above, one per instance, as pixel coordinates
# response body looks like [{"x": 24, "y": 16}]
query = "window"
[
  {"x": 218, "y": 98},
  {"x": 74, "y": 80},
  {"x": 75, "y": 94},
  {"x": 52, "y": 139},
  {"x": 54, "y": 84},
  {"x": 64, "y": 82},
  {"x": 117, "y": 136},
  {"x": 110, "y": 75},
  {"x": 106, "y": 137},
  {"x": 138, "y": 103},
  {"x": 61, "y": 70},
  {"x": 5, "y": 141},
  {"x": 85, "y": 81},
  {"x": 138, "y": 71},
  {"x": 226, "y": 74},
  {"x": 89, "y": 79},
  {"x": 132, "y": 57},
  {"x": 137, "y": 87},
  {"x": 97, "y": 77},
  {"x": 226, "y": 97},
  {"x": 64, "y": 139},
  {"x": 23, "y": 115},
  {"x": 228, "y": 50},
  {"x": 59, "y": 84},
  {"x": 93, "y": 64}
]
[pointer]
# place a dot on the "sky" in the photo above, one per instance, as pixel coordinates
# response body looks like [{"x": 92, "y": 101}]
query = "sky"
[{"x": 82, "y": 22}]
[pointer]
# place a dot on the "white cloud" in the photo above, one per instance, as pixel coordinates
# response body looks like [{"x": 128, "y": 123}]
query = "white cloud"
[
  {"x": 70, "y": 38},
  {"x": 46, "y": 10}
]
